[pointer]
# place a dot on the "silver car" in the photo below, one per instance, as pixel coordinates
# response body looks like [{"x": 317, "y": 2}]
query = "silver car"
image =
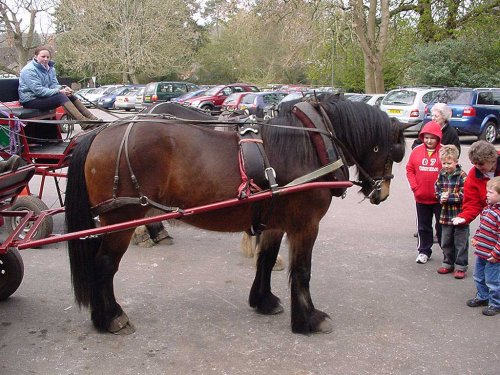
[
  {"x": 127, "y": 100},
  {"x": 408, "y": 104}
]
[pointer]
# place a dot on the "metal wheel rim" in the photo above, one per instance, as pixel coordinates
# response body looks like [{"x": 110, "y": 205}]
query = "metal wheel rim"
[
  {"x": 16, "y": 220},
  {"x": 490, "y": 134}
]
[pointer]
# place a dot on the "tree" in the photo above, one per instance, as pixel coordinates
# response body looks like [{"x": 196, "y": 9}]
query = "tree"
[
  {"x": 372, "y": 33},
  {"x": 127, "y": 38},
  {"x": 18, "y": 28},
  {"x": 265, "y": 42},
  {"x": 470, "y": 59}
]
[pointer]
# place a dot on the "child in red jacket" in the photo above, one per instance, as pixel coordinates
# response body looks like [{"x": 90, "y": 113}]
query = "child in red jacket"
[{"x": 422, "y": 172}]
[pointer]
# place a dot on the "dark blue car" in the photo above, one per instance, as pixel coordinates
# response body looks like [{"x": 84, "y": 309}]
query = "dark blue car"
[{"x": 474, "y": 111}]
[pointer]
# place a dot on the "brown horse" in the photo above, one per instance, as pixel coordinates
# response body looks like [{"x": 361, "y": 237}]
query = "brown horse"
[{"x": 177, "y": 164}]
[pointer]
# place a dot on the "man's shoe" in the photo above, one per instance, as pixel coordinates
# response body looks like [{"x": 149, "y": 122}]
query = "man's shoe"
[
  {"x": 444, "y": 270},
  {"x": 477, "y": 302},
  {"x": 422, "y": 258},
  {"x": 491, "y": 311},
  {"x": 459, "y": 274}
]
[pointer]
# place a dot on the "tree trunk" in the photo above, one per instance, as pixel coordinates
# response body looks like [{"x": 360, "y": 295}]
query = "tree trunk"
[{"x": 373, "y": 40}]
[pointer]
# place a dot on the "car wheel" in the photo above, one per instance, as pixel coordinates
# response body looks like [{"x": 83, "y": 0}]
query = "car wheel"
[
  {"x": 30, "y": 203},
  {"x": 207, "y": 108},
  {"x": 11, "y": 272},
  {"x": 489, "y": 133}
]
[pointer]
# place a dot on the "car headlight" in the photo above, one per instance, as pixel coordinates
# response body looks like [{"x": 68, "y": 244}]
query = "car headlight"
[{"x": 195, "y": 103}]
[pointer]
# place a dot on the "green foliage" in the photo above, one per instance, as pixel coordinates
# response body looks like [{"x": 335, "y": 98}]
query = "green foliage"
[
  {"x": 121, "y": 40},
  {"x": 471, "y": 62}
]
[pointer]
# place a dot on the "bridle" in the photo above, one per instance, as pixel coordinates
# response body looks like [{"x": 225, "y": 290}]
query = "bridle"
[{"x": 375, "y": 183}]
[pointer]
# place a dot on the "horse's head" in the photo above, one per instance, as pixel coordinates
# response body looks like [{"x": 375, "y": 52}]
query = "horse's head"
[
  {"x": 370, "y": 140},
  {"x": 375, "y": 170}
]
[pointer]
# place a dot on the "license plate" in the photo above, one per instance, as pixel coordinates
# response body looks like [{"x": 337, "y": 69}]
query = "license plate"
[
  {"x": 147, "y": 97},
  {"x": 395, "y": 111}
]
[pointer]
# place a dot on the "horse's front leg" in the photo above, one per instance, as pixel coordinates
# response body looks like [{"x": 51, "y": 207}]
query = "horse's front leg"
[
  {"x": 107, "y": 314},
  {"x": 305, "y": 318},
  {"x": 261, "y": 297}
]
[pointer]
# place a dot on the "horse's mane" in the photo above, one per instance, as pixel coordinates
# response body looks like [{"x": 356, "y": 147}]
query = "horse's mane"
[{"x": 356, "y": 124}]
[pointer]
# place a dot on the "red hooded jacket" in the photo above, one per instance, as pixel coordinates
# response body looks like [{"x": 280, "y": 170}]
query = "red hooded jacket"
[
  {"x": 423, "y": 169},
  {"x": 475, "y": 193}
]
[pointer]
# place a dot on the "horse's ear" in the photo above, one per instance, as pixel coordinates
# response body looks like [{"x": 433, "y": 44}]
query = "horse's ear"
[
  {"x": 403, "y": 126},
  {"x": 398, "y": 140}
]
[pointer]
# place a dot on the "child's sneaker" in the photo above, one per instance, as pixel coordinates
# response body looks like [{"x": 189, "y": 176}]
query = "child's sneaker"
[
  {"x": 444, "y": 270},
  {"x": 459, "y": 274},
  {"x": 422, "y": 258},
  {"x": 491, "y": 311},
  {"x": 475, "y": 302}
]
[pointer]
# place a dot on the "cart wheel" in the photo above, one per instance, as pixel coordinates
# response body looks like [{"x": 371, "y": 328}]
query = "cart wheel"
[
  {"x": 30, "y": 203},
  {"x": 11, "y": 272},
  {"x": 66, "y": 128}
]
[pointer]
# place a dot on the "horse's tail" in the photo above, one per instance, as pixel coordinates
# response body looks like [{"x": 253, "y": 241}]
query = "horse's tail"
[{"x": 78, "y": 217}]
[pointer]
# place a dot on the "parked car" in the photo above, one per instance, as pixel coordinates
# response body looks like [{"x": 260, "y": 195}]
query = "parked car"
[
  {"x": 127, "y": 99},
  {"x": 474, "y": 111},
  {"x": 213, "y": 98},
  {"x": 93, "y": 97},
  {"x": 138, "y": 99},
  {"x": 107, "y": 101},
  {"x": 82, "y": 95},
  {"x": 232, "y": 101},
  {"x": 371, "y": 99},
  {"x": 408, "y": 104},
  {"x": 165, "y": 91},
  {"x": 259, "y": 103},
  {"x": 192, "y": 94},
  {"x": 273, "y": 110}
]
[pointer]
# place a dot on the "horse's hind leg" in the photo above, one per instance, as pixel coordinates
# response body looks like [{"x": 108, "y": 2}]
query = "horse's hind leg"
[
  {"x": 305, "y": 318},
  {"x": 251, "y": 250},
  {"x": 107, "y": 314},
  {"x": 260, "y": 295}
]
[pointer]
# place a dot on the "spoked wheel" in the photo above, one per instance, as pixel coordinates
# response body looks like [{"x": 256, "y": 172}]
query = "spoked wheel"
[
  {"x": 66, "y": 128},
  {"x": 11, "y": 273},
  {"x": 30, "y": 203}
]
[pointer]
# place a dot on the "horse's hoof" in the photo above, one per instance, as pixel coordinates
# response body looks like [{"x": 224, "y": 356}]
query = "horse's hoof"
[
  {"x": 280, "y": 264},
  {"x": 121, "y": 325},
  {"x": 165, "y": 241},
  {"x": 277, "y": 309},
  {"x": 325, "y": 326}
]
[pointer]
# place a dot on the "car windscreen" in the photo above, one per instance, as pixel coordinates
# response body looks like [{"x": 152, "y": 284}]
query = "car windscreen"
[
  {"x": 213, "y": 91},
  {"x": 454, "y": 97},
  {"x": 400, "y": 97},
  {"x": 248, "y": 99},
  {"x": 270, "y": 99},
  {"x": 359, "y": 98}
]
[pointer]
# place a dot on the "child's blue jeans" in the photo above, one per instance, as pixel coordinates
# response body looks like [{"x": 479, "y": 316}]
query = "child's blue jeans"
[{"x": 487, "y": 279}]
